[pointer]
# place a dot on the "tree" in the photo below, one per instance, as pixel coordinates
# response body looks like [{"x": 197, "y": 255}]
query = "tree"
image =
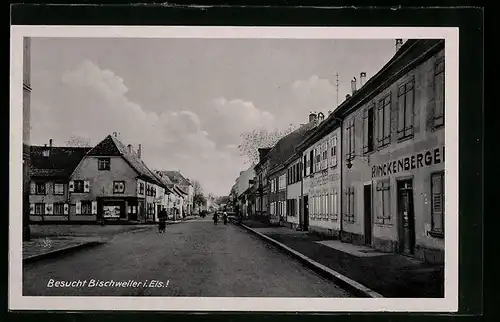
[
  {"x": 253, "y": 140},
  {"x": 199, "y": 198}
]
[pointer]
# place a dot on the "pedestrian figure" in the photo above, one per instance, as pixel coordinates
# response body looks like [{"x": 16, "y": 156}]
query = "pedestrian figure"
[
  {"x": 162, "y": 221},
  {"x": 216, "y": 217},
  {"x": 224, "y": 215}
]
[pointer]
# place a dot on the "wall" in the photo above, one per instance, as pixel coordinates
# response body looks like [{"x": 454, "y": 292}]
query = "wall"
[
  {"x": 426, "y": 138},
  {"x": 242, "y": 183}
]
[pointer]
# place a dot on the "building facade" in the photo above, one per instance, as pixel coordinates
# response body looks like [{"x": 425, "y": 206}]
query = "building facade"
[
  {"x": 184, "y": 185},
  {"x": 322, "y": 181},
  {"x": 294, "y": 191},
  {"x": 393, "y": 129},
  {"x": 261, "y": 170},
  {"x": 51, "y": 168},
  {"x": 112, "y": 183}
]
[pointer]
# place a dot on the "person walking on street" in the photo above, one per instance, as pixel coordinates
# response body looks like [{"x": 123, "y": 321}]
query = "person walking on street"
[
  {"x": 224, "y": 216},
  {"x": 162, "y": 221},
  {"x": 216, "y": 217}
]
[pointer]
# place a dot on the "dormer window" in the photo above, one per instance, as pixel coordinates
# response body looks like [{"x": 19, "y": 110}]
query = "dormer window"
[{"x": 46, "y": 151}]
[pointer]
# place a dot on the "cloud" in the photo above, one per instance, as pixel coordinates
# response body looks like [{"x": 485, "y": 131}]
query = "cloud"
[
  {"x": 226, "y": 119},
  {"x": 318, "y": 94},
  {"x": 92, "y": 102}
]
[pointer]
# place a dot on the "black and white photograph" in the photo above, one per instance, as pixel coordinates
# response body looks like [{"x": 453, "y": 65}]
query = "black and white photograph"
[{"x": 234, "y": 168}]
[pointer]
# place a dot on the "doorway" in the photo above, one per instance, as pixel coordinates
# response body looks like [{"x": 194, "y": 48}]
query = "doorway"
[
  {"x": 367, "y": 197},
  {"x": 406, "y": 217},
  {"x": 306, "y": 213}
]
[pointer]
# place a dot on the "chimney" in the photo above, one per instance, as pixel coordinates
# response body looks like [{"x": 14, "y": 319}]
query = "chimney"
[
  {"x": 139, "y": 151},
  {"x": 321, "y": 117},
  {"x": 115, "y": 134},
  {"x": 399, "y": 43},
  {"x": 45, "y": 152},
  {"x": 50, "y": 143},
  {"x": 312, "y": 117},
  {"x": 129, "y": 146},
  {"x": 362, "y": 79},
  {"x": 348, "y": 96},
  {"x": 353, "y": 85}
]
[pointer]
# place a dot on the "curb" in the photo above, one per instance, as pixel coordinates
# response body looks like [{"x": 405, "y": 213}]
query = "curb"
[
  {"x": 61, "y": 251},
  {"x": 345, "y": 282}
]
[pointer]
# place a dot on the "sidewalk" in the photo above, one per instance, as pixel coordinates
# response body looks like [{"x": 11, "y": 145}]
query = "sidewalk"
[
  {"x": 41, "y": 248},
  {"x": 389, "y": 274}
]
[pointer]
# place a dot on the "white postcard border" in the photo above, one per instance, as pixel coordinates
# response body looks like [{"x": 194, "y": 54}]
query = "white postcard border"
[{"x": 447, "y": 304}]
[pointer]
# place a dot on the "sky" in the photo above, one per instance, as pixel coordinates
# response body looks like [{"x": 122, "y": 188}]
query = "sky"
[{"x": 186, "y": 101}]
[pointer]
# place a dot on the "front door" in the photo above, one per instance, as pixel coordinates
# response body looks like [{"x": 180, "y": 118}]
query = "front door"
[
  {"x": 406, "y": 217},
  {"x": 306, "y": 213},
  {"x": 367, "y": 196}
]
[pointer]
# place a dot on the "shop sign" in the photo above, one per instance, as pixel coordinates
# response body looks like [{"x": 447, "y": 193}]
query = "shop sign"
[{"x": 408, "y": 163}]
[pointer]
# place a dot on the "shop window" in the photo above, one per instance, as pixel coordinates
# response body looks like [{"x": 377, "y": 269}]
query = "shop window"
[
  {"x": 439, "y": 90},
  {"x": 384, "y": 121},
  {"x": 406, "y": 103},
  {"x": 368, "y": 129},
  {"x": 383, "y": 202},
  {"x": 437, "y": 204}
]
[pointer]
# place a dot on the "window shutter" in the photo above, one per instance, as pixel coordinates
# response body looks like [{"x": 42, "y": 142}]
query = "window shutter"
[
  {"x": 71, "y": 186},
  {"x": 86, "y": 186},
  {"x": 32, "y": 209},
  {"x": 66, "y": 209},
  {"x": 401, "y": 114},
  {"x": 49, "y": 209},
  {"x": 380, "y": 123},
  {"x": 365, "y": 130},
  {"x": 94, "y": 207},
  {"x": 32, "y": 188},
  {"x": 409, "y": 112},
  {"x": 387, "y": 121},
  {"x": 78, "y": 207}
]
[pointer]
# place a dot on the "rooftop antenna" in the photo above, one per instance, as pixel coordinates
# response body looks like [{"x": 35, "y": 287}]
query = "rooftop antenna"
[{"x": 337, "y": 87}]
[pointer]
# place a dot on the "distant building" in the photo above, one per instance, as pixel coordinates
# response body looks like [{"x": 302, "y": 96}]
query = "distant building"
[
  {"x": 262, "y": 193},
  {"x": 50, "y": 171},
  {"x": 185, "y": 186}
]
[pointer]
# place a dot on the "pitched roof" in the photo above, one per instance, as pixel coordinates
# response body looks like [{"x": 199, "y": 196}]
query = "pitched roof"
[
  {"x": 177, "y": 178},
  {"x": 111, "y": 146},
  {"x": 285, "y": 147},
  {"x": 61, "y": 161}
]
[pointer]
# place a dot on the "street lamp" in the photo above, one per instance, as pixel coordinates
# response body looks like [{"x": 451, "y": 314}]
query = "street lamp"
[{"x": 349, "y": 161}]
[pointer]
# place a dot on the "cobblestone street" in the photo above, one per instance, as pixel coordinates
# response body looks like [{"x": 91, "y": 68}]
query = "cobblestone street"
[{"x": 197, "y": 258}]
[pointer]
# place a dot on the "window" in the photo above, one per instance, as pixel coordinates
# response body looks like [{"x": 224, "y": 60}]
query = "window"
[
  {"x": 118, "y": 186},
  {"x": 383, "y": 202},
  {"x": 39, "y": 209},
  {"x": 86, "y": 207},
  {"x": 141, "y": 188},
  {"x": 406, "y": 102},
  {"x": 59, "y": 188},
  {"x": 368, "y": 127},
  {"x": 103, "y": 164},
  {"x": 79, "y": 186},
  {"x": 384, "y": 121},
  {"x": 282, "y": 182},
  {"x": 439, "y": 92},
  {"x": 59, "y": 209},
  {"x": 350, "y": 139},
  {"x": 40, "y": 188},
  {"x": 437, "y": 201},
  {"x": 349, "y": 214}
]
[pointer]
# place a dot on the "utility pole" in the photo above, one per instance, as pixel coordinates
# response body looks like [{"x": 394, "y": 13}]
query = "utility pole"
[{"x": 337, "y": 86}]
